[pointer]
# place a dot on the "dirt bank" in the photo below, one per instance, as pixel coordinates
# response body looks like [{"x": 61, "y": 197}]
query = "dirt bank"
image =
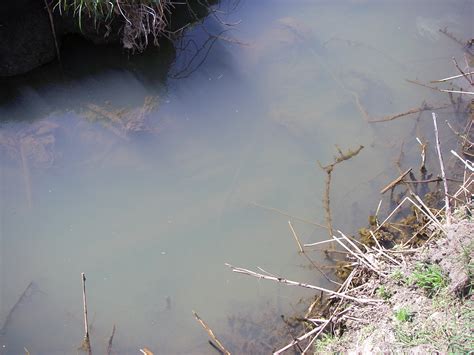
[{"x": 428, "y": 302}]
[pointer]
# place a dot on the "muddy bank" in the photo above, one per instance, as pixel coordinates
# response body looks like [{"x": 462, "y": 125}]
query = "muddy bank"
[{"x": 27, "y": 39}]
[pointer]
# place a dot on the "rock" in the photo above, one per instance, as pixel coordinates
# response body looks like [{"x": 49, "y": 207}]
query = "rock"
[
  {"x": 25, "y": 37},
  {"x": 27, "y": 42}
]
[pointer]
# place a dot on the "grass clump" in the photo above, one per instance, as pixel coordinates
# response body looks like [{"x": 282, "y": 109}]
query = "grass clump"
[
  {"x": 404, "y": 315},
  {"x": 384, "y": 293},
  {"x": 143, "y": 19},
  {"x": 429, "y": 277},
  {"x": 322, "y": 343},
  {"x": 397, "y": 276}
]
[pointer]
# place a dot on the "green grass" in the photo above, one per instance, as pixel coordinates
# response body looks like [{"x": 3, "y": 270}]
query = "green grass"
[
  {"x": 397, "y": 275},
  {"x": 320, "y": 346},
  {"x": 383, "y": 293},
  {"x": 404, "y": 315},
  {"x": 100, "y": 10},
  {"x": 428, "y": 277}
]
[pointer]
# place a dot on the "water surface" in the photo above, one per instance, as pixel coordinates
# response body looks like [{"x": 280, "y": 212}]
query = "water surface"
[{"x": 152, "y": 215}]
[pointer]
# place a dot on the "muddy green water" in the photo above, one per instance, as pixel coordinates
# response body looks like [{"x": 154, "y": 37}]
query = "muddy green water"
[{"x": 152, "y": 216}]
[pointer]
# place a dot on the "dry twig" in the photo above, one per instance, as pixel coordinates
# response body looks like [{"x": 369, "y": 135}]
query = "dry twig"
[
  {"x": 395, "y": 182},
  {"x": 300, "y": 284},
  {"x": 211, "y": 333},
  {"x": 443, "y": 175},
  {"x": 86, "y": 343}
]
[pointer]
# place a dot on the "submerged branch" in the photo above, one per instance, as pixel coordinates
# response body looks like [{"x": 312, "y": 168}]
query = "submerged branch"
[
  {"x": 26, "y": 293},
  {"x": 424, "y": 107},
  {"x": 300, "y": 284},
  {"x": 329, "y": 169}
]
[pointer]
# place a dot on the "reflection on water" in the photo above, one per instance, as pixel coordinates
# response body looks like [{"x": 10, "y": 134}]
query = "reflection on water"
[{"x": 149, "y": 185}]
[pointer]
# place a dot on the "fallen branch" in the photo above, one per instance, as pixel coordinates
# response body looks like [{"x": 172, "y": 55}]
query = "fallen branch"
[
  {"x": 26, "y": 293},
  {"x": 86, "y": 343},
  {"x": 462, "y": 72},
  {"x": 423, "y": 85},
  {"x": 438, "y": 179},
  {"x": 301, "y": 338},
  {"x": 425, "y": 107},
  {"x": 300, "y": 284},
  {"x": 451, "y": 78},
  {"x": 296, "y": 238},
  {"x": 395, "y": 182},
  {"x": 329, "y": 169},
  {"x": 211, "y": 334},
  {"x": 302, "y": 252},
  {"x": 111, "y": 339},
  {"x": 458, "y": 92},
  {"x": 468, "y": 164},
  {"x": 422, "y": 208},
  {"x": 443, "y": 175},
  {"x": 451, "y": 36}
]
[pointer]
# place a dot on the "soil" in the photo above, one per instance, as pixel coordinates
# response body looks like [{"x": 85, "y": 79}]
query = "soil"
[{"x": 414, "y": 317}]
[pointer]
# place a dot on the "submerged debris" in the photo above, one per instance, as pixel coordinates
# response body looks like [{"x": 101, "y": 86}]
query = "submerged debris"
[{"x": 122, "y": 121}]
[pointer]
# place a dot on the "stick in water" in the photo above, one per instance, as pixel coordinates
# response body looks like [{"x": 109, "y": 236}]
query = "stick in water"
[
  {"x": 211, "y": 334},
  {"x": 111, "y": 339},
  {"x": 443, "y": 175},
  {"x": 86, "y": 343}
]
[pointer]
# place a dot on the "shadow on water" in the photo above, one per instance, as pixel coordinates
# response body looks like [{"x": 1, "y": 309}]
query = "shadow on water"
[{"x": 82, "y": 61}]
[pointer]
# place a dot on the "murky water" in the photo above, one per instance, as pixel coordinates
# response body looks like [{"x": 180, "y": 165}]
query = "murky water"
[{"x": 149, "y": 183}]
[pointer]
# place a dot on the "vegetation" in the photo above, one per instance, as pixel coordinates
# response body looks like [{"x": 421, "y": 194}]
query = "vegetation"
[
  {"x": 404, "y": 315},
  {"x": 429, "y": 277},
  {"x": 384, "y": 293},
  {"x": 143, "y": 19}
]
